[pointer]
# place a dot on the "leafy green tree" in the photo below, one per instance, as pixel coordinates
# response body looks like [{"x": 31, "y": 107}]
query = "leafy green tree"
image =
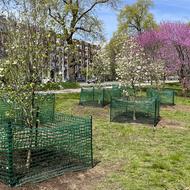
[
  {"x": 136, "y": 18},
  {"x": 77, "y": 18}
]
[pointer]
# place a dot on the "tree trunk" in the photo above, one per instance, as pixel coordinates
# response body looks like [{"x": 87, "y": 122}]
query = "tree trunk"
[
  {"x": 31, "y": 122},
  {"x": 134, "y": 114}
]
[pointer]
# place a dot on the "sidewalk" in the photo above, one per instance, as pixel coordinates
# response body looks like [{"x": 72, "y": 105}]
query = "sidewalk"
[
  {"x": 77, "y": 90},
  {"x": 66, "y": 91}
]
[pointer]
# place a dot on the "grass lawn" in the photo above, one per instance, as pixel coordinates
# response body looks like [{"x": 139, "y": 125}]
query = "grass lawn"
[
  {"x": 134, "y": 156},
  {"x": 129, "y": 156}
]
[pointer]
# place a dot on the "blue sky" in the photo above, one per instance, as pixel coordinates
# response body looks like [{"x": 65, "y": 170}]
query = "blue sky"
[{"x": 163, "y": 10}]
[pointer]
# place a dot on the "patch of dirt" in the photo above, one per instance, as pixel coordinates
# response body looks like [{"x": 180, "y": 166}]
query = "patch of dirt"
[
  {"x": 84, "y": 180},
  {"x": 171, "y": 124},
  {"x": 183, "y": 108},
  {"x": 96, "y": 112}
]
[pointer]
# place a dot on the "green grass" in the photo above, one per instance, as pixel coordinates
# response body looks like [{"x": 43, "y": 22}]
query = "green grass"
[
  {"x": 134, "y": 156},
  {"x": 58, "y": 86}
]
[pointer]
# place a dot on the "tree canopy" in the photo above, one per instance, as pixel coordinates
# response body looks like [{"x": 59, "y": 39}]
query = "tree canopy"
[
  {"x": 136, "y": 18},
  {"x": 171, "y": 43}
]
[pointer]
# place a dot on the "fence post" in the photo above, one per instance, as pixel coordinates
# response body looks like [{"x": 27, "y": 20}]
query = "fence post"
[
  {"x": 155, "y": 112},
  {"x": 93, "y": 94},
  {"x": 103, "y": 91},
  {"x": 81, "y": 91},
  {"x": 53, "y": 117},
  {"x": 37, "y": 124},
  {"x": 92, "y": 160},
  {"x": 111, "y": 109},
  {"x": 173, "y": 98},
  {"x": 10, "y": 171}
]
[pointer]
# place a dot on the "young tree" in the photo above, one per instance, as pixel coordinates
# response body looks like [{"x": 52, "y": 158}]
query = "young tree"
[
  {"x": 26, "y": 48},
  {"x": 101, "y": 67},
  {"x": 113, "y": 48},
  {"x": 133, "y": 66},
  {"x": 135, "y": 18}
]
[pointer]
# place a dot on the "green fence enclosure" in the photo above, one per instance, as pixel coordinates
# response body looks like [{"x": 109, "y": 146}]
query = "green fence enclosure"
[
  {"x": 166, "y": 96},
  {"x": 140, "y": 110},
  {"x": 55, "y": 144},
  {"x": 99, "y": 96}
]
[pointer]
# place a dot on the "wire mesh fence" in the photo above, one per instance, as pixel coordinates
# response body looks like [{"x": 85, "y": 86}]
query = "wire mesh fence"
[
  {"x": 56, "y": 144},
  {"x": 138, "y": 110},
  {"x": 45, "y": 103},
  {"x": 99, "y": 96},
  {"x": 166, "y": 96},
  {"x": 10, "y": 111}
]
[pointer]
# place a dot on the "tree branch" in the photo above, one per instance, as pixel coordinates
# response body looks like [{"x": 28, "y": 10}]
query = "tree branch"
[
  {"x": 64, "y": 1},
  {"x": 88, "y": 10},
  {"x": 84, "y": 29},
  {"x": 54, "y": 17}
]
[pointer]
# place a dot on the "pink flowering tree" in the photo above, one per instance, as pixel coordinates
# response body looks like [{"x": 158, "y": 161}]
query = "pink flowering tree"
[{"x": 170, "y": 43}]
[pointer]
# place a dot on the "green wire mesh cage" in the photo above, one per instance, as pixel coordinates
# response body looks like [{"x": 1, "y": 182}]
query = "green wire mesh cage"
[
  {"x": 56, "y": 144},
  {"x": 99, "y": 96},
  {"x": 166, "y": 96},
  {"x": 138, "y": 110},
  {"x": 44, "y": 103}
]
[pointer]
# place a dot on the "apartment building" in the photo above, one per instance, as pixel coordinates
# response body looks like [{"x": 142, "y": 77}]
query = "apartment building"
[{"x": 62, "y": 65}]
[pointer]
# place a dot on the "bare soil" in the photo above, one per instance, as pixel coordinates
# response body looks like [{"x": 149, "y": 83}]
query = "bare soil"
[
  {"x": 83, "y": 180},
  {"x": 166, "y": 123},
  {"x": 183, "y": 108}
]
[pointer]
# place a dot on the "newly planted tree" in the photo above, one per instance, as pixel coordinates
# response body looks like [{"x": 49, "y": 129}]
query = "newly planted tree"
[
  {"x": 100, "y": 67},
  {"x": 131, "y": 65},
  {"x": 26, "y": 50}
]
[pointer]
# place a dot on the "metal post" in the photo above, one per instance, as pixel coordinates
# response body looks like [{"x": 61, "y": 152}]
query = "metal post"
[
  {"x": 93, "y": 94},
  {"x": 155, "y": 112},
  {"x": 173, "y": 98},
  {"x": 87, "y": 71},
  {"x": 103, "y": 103},
  {"x": 10, "y": 171},
  {"x": 92, "y": 160},
  {"x": 37, "y": 123}
]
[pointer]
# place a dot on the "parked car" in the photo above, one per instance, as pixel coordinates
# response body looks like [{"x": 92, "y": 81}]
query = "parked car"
[
  {"x": 92, "y": 80},
  {"x": 81, "y": 79}
]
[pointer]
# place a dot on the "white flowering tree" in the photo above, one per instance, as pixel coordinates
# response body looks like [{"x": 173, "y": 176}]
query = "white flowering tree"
[
  {"x": 26, "y": 54},
  {"x": 134, "y": 67},
  {"x": 101, "y": 67},
  {"x": 155, "y": 71},
  {"x": 131, "y": 64}
]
